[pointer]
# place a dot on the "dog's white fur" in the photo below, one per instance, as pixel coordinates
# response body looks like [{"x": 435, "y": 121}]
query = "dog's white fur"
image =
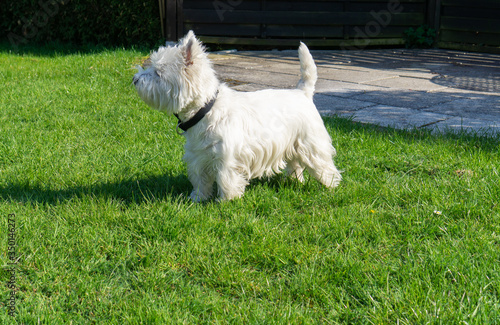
[{"x": 246, "y": 135}]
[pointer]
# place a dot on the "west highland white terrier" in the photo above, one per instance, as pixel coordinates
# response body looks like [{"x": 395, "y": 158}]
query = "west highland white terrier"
[{"x": 232, "y": 136}]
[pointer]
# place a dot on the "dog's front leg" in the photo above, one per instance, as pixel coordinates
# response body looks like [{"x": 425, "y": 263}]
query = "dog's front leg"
[
  {"x": 203, "y": 184},
  {"x": 230, "y": 183}
]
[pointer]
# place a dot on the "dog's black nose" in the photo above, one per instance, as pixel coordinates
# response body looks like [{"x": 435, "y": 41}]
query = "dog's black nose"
[{"x": 135, "y": 80}]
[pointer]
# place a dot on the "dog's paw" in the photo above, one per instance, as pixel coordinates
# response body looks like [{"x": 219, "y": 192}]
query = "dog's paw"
[{"x": 195, "y": 197}]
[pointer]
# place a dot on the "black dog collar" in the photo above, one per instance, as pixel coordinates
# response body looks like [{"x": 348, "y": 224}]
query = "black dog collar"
[{"x": 184, "y": 126}]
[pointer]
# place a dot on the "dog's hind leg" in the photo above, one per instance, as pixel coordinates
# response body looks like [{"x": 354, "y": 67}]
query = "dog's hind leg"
[
  {"x": 326, "y": 173},
  {"x": 317, "y": 158},
  {"x": 295, "y": 170}
]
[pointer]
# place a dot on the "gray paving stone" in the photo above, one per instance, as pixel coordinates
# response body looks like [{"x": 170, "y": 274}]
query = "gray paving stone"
[
  {"x": 409, "y": 83},
  {"x": 472, "y": 125},
  {"x": 266, "y": 78},
  {"x": 432, "y": 89},
  {"x": 397, "y": 117},
  {"x": 470, "y": 78},
  {"x": 353, "y": 75},
  {"x": 415, "y": 72},
  {"x": 461, "y": 93},
  {"x": 344, "y": 89},
  {"x": 485, "y": 107},
  {"x": 334, "y": 105},
  {"x": 405, "y": 98},
  {"x": 250, "y": 87}
]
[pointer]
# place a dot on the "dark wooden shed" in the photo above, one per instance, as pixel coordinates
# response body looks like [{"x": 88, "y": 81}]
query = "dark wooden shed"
[{"x": 350, "y": 24}]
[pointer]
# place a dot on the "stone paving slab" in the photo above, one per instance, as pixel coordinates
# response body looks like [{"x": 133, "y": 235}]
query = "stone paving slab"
[
  {"x": 410, "y": 83},
  {"x": 417, "y": 72},
  {"x": 405, "y": 98},
  {"x": 398, "y": 117},
  {"x": 431, "y": 89},
  {"x": 354, "y": 76},
  {"x": 344, "y": 89},
  {"x": 471, "y": 125},
  {"x": 479, "y": 106},
  {"x": 265, "y": 78},
  {"x": 329, "y": 105}
]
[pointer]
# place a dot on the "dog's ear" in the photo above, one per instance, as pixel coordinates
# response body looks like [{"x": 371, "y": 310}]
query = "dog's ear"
[
  {"x": 190, "y": 48},
  {"x": 187, "y": 51}
]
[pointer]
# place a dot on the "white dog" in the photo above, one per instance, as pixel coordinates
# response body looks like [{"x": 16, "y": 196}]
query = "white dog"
[{"x": 231, "y": 136}]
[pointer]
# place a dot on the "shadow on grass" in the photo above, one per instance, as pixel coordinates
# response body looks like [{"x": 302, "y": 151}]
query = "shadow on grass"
[
  {"x": 157, "y": 188},
  {"x": 154, "y": 188},
  {"x": 132, "y": 191}
]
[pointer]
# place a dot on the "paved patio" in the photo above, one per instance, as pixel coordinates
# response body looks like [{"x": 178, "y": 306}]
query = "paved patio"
[{"x": 431, "y": 89}]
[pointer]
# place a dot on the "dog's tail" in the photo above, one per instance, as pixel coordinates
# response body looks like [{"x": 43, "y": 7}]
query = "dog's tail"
[{"x": 308, "y": 71}]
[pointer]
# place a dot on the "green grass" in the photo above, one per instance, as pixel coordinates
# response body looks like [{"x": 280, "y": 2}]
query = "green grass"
[{"x": 106, "y": 235}]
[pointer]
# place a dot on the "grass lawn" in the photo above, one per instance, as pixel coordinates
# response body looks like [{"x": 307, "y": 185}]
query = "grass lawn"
[{"x": 105, "y": 233}]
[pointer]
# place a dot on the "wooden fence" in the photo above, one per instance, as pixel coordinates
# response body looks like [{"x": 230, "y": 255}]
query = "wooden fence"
[
  {"x": 340, "y": 23},
  {"x": 469, "y": 25}
]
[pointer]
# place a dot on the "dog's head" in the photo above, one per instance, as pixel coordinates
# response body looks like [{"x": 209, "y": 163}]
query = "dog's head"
[{"x": 176, "y": 78}]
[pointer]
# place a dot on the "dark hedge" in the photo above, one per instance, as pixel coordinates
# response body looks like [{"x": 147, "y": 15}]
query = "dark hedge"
[{"x": 81, "y": 22}]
